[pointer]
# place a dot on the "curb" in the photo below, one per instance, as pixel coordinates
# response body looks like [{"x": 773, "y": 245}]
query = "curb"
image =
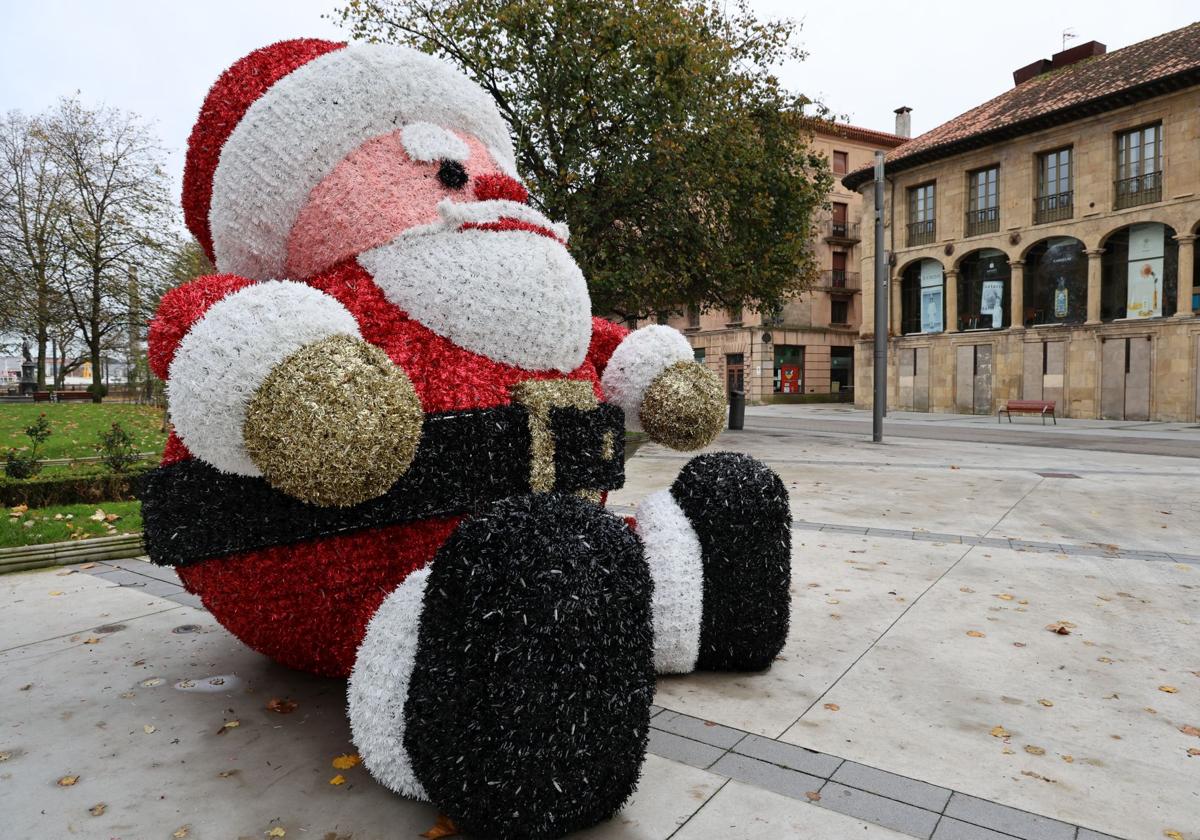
[{"x": 26, "y": 557}]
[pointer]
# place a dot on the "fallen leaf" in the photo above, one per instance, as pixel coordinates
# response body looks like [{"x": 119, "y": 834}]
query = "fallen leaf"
[
  {"x": 1032, "y": 750},
  {"x": 1070, "y": 759},
  {"x": 18, "y": 510},
  {"x": 182, "y": 831},
  {"x": 1174, "y": 835},
  {"x": 1062, "y": 628},
  {"x": 339, "y": 779},
  {"x": 1046, "y": 703},
  {"x": 444, "y": 827},
  {"x": 229, "y": 724},
  {"x": 1190, "y": 730},
  {"x": 1007, "y": 751},
  {"x": 277, "y": 831},
  {"x": 813, "y": 796},
  {"x": 148, "y": 729},
  {"x": 1104, "y": 659},
  {"x": 98, "y": 809},
  {"x": 67, "y": 781},
  {"x": 98, "y": 516},
  {"x": 225, "y": 774},
  {"x": 1023, "y": 602},
  {"x": 91, "y": 640},
  {"x": 283, "y": 707},
  {"x": 999, "y": 732},
  {"x": 88, "y": 566},
  {"x": 966, "y": 589},
  {"x": 1151, "y": 710},
  {"x": 345, "y": 762},
  {"x": 975, "y": 634},
  {"x": 1192, "y": 751},
  {"x": 833, "y": 707},
  {"x": 1005, "y": 597},
  {"x": 55, "y": 593},
  {"x": 1168, "y": 689},
  {"x": 1018, "y": 644}
]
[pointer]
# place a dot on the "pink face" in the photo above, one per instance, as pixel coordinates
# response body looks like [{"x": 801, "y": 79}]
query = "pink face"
[{"x": 394, "y": 183}]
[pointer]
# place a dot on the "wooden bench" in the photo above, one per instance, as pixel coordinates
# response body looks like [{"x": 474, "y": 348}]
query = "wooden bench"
[
  {"x": 1040, "y": 407},
  {"x": 61, "y": 396}
]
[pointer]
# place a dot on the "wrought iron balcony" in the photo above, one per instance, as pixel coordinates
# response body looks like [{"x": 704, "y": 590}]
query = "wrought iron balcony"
[
  {"x": 836, "y": 231},
  {"x": 983, "y": 221},
  {"x": 922, "y": 233},
  {"x": 1054, "y": 207},
  {"x": 1140, "y": 189},
  {"x": 840, "y": 280}
]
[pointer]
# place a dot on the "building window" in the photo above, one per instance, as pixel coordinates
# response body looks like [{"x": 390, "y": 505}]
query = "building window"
[
  {"x": 789, "y": 369},
  {"x": 983, "y": 201},
  {"x": 839, "y": 312},
  {"x": 1139, "y": 273},
  {"x": 735, "y": 372},
  {"x": 1055, "y": 199},
  {"x": 693, "y": 317},
  {"x": 839, "y": 226},
  {"x": 841, "y": 163},
  {"x": 1055, "y": 282},
  {"x": 837, "y": 276},
  {"x": 1139, "y": 167},
  {"x": 983, "y": 290},
  {"x": 735, "y": 314},
  {"x": 922, "y": 298},
  {"x": 922, "y": 227},
  {"x": 841, "y": 368},
  {"x": 698, "y": 354}
]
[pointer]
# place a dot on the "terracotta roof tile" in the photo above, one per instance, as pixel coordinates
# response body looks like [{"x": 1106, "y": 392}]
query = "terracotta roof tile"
[{"x": 1065, "y": 93}]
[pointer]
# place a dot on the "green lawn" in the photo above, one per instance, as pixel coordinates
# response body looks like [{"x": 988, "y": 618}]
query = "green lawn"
[
  {"x": 75, "y": 427},
  {"x": 68, "y": 522}
]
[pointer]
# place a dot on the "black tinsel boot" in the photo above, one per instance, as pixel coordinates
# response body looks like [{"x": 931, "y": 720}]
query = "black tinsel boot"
[{"x": 510, "y": 681}]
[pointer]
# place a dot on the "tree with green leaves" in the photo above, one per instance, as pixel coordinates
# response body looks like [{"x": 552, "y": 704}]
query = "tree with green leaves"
[{"x": 655, "y": 128}]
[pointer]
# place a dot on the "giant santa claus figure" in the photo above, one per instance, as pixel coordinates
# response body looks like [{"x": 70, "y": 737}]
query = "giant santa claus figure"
[{"x": 395, "y": 420}]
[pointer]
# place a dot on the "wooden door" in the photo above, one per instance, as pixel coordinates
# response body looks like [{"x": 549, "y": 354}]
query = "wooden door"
[{"x": 964, "y": 379}]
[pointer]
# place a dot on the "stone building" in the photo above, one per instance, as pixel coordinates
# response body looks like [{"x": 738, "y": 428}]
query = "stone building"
[
  {"x": 1042, "y": 244},
  {"x": 808, "y": 350}
]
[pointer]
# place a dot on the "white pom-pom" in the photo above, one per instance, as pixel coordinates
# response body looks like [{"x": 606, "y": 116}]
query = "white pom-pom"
[
  {"x": 638, "y": 359},
  {"x": 673, "y": 554},
  {"x": 378, "y": 687},
  {"x": 428, "y": 142},
  {"x": 228, "y": 353}
]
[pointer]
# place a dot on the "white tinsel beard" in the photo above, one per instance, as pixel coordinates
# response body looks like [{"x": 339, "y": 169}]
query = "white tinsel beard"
[{"x": 513, "y": 296}]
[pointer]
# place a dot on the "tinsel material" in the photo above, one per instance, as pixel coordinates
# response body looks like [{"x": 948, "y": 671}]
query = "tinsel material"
[
  {"x": 335, "y": 423},
  {"x": 684, "y": 407},
  {"x": 466, "y": 460},
  {"x": 223, "y": 108},
  {"x": 453, "y": 174},
  {"x": 739, "y": 510},
  {"x": 636, "y": 362},
  {"x": 676, "y": 563},
  {"x": 179, "y": 310},
  {"x": 307, "y": 606},
  {"x": 495, "y": 186},
  {"x": 528, "y": 708},
  {"x": 427, "y": 143}
]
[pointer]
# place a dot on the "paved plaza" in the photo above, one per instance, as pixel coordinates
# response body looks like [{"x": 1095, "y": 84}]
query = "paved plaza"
[{"x": 994, "y": 635}]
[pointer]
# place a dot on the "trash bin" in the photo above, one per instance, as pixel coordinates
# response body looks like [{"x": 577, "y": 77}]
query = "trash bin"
[{"x": 737, "y": 409}]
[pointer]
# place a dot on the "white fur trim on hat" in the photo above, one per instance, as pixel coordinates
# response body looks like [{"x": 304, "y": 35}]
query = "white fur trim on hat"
[
  {"x": 228, "y": 353},
  {"x": 639, "y": 358},
  {"x": 292, "y": 136},
  {"x": 673, "y": 554},
  {"x": 378, "y": 687}
]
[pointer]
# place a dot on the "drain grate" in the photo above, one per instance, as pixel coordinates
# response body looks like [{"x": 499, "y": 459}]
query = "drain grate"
[{"x": 1057, "y": 475}]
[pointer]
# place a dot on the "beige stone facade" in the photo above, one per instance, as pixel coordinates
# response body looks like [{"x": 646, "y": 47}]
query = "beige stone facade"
[
  {"x": 1070, "y": 263},
  {"x": 815, "y": 335}
]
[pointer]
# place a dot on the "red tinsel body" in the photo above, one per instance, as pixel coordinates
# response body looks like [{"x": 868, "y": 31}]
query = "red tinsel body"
[{"x": 307, "y": 605}]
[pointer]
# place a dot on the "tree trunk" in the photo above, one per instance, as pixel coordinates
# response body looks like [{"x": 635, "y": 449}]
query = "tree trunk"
[{"x": 42, "y": 340}]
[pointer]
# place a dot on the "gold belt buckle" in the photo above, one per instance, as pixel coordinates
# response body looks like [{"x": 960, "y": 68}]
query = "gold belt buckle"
[{"x": 539, "y": 396}]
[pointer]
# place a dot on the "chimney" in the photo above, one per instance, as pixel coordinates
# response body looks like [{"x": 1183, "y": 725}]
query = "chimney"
[
  {"x": 1059, "y": 60},
  {"x": 903, "y": 122}
]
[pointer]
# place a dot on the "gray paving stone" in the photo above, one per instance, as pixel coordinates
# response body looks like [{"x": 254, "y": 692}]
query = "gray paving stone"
[
  {"x": 844, "y": 529},
  {"x": 655, "y": 710},
  {"x": 767, "y": 776},
  {"x": 921, "y": 794},
  {"x": 907, "y": 819},
  {"x": 929, "y": 536},
  {"x": 186, "y": 598},
  {"x": 149, "y": 570},
  {"x": 994, "y": 542},
  {"x": 788, "y": 755},
  {"x": 698, "y": 730},
  {"x": 949, "y": 829},
  {"x": 683, "y": 750},
  {"x": 1088, "y": 834},
  {"x": 1023, "y": 545},
  {"x": 1008, "y": 820},
  {"x": 124, "y": 577}
]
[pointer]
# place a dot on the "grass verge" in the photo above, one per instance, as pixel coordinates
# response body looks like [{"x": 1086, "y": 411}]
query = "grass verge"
[{"x": 63, "y": 523}]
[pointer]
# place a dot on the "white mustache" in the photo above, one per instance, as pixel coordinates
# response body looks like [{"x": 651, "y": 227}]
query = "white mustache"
[{"x": 455, "y": 214}]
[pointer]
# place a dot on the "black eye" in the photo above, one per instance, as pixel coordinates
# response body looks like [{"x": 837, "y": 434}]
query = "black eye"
[{"x": 452, "y": 174}]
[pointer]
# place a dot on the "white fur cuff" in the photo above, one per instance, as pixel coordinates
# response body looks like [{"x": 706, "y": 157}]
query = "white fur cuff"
[
  {"x": 378, "y": 687},
  {"x": 638, "y": 359},
  {"x": 230, "y": 351},
  {"x": 673, "y": 553}
]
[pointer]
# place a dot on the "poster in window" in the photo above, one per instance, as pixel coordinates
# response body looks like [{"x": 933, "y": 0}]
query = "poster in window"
[
  {"x": 992, "y": 301},
  {"x": 1062, "y": 299},
  {"x": 931, "y": 296},
  {"x": 789, "y": 379},
  {"x": 1145, "y": 287}
]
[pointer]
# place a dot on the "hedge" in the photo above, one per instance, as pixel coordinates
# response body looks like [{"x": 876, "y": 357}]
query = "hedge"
[{"x": 43, "y": 491}]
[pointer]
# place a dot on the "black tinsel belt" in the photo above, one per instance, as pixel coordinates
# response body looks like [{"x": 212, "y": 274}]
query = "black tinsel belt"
[{"x": 466, "y": 459}]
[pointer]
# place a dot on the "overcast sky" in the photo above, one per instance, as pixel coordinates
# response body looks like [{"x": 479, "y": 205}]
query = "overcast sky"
[{"x": 865, "y": 58}]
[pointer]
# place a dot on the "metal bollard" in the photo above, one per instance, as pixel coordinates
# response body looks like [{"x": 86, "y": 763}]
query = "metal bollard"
[{"x": 737, "y": 409}]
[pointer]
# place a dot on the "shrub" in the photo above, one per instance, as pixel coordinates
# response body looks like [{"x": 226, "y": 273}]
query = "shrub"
[
  {"x": 98, "y": 392},
  {"x": 45, "y": 491},
  {"x": 116, "y": 449},
  {"x": 26, "y": 464}
]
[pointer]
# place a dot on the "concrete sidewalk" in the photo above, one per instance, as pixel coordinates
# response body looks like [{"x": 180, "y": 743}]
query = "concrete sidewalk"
[{"x": 920, "y": 693}]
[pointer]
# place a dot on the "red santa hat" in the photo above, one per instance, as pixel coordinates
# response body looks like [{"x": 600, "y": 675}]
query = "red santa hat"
[{"x": 280, "y": 119}]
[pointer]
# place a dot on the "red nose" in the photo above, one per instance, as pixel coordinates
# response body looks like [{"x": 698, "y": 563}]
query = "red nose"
[{"x": 493, "y": 185}]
